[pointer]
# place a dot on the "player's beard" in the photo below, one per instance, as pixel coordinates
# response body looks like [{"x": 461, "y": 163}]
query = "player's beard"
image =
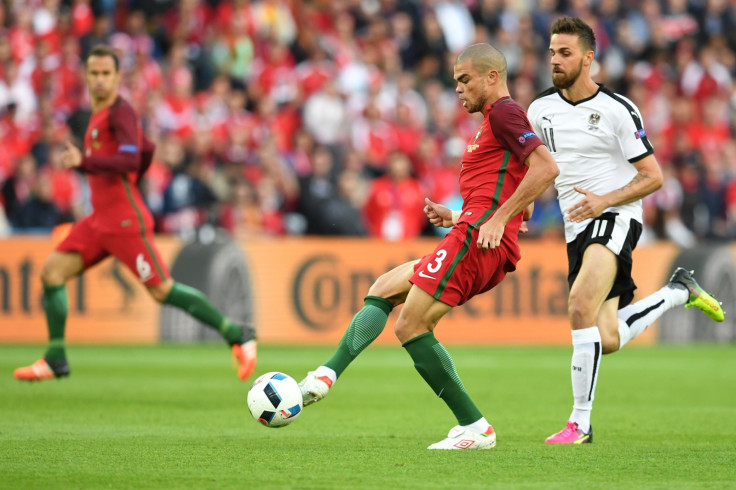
[
  {"x": 99, "y": 94},
  {"x": 567, "y": 79},
  {"x": 477, "y": 104}
]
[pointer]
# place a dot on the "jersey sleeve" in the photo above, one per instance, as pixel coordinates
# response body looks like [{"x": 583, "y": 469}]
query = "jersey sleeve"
[
  {"x": 124, "y": 127},
  {"x": 533, "y": 115},
  {"x": 147, "y": 149},
  {"x": 631, "y": 133},
  {"x": 513, "y": 130}
]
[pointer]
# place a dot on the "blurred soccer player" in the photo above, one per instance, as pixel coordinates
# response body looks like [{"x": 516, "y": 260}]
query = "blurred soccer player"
[
  {"x": 504, "y": 168},
  {"x": 606, "y": 165},
  {"x": 116, "y": 155}
]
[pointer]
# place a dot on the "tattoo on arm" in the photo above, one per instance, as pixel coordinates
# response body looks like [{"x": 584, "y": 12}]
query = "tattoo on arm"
[
  {"x": 638, "y": 185},
  {"x": 639, "y": 177}
]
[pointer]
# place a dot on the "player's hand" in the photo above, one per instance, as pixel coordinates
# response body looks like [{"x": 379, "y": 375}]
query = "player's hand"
[
  {"x": 490, "y": 234},
  {"x": 591, "y": 206},
  {"x": 72, "y": 157},
  {"x": 438, "y": 215},
  {"x": 523, "y": 228}
]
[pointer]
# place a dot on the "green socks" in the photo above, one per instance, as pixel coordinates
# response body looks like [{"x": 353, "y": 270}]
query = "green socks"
[
  {"x": 56, "y": 305},
  {"x": 365, "y": 326},
  {"x": 196, "y": 304},
  {"x": 435, "y": 365}
]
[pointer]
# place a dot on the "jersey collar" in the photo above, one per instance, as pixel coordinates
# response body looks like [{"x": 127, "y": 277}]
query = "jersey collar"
[
  {"x": 600, "y": 87},
  {"x": 490, "y": 107}
]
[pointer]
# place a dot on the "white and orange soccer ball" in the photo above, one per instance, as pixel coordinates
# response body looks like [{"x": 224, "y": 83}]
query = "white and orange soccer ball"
[{"x": 275, "y": 399}]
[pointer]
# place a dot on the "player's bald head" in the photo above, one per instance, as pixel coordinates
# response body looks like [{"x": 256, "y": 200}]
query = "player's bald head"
[{"x": 484, "y": 58}]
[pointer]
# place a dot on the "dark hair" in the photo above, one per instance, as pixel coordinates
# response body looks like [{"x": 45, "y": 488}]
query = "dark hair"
[
  {"x": 576, "y": 27},
  {"x": 103, "y": 50}
]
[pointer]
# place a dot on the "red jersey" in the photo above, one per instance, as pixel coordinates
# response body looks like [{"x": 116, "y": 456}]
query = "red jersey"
[
  {"x": 116, "y": 154},
  {"x": 493, "y": 164}
]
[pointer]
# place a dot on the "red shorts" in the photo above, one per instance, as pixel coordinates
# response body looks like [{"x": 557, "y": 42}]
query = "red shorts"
[
  {"x": 133, "y": 249},
  {"x": 457, "y": 270}
]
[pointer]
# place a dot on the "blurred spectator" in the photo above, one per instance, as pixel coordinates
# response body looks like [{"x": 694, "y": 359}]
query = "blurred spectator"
[
  {"x": 393, "y": 210},
  {"x": 317, "y": 188},
  {"x": 325, "y": 115},
  {"x": 662, "y": 213},
  {"x": 546, "y": 219},
  {"x": 256, "y": 94},
  {"x": 29, "y": 200},
  {"x": 187, "y": 199},
  {"x": 100, "y": 34}
]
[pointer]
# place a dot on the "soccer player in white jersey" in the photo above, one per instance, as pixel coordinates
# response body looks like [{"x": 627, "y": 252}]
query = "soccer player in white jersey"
[{"x": 607, "y": 165}]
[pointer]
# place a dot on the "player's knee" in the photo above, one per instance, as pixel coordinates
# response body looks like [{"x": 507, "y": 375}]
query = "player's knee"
[
  {"x": 159, "y": 292},
  {"x": 580, "y": 312},
  {"x": 379, "y": 287},
  {"x": 404, "y": 331},
  {"x": 610, "y": 348},
  {"x": 609, "y": 343},
  {"x": 407, "y": 328},
  {"x": 51, "y": 274}
]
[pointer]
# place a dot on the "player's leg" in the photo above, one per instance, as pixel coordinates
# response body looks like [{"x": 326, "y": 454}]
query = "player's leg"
[
  {"x": 242, "y": 340},
  {"x": 587, "y": 297},
  {"x": 415, "y": 329},
  {"x": 194, "y": 302},
  {"x": 140, "y": 255},
  {"x": 57, "y": 270},
  {"x": 681, "y": 289},
  {"x": 79, "y": 250},
  {"x": 388, "y": 291}
]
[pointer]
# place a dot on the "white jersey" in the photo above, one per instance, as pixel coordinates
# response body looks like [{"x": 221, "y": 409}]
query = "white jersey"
[{"x": 594, "y": 142}]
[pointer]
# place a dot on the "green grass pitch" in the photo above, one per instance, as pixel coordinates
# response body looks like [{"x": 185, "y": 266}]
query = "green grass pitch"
[{"x": 175, "y": 417}]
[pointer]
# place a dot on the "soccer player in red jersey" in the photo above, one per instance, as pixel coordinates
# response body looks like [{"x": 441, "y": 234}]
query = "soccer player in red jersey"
[
  {"x": 116, "y": 155},
  {"x": 504, "y": 168}
]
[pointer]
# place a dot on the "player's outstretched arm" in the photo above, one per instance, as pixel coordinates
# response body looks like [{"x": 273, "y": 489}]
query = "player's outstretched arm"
[
  {"x": 647, "y": 180},
  {"x": 541, "y": 174}
]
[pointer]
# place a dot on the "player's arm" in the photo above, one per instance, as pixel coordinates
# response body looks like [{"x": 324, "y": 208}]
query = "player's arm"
[
  {"x": 123, "y": 123},
  {"x": 648, "y": 179},
  {"x": 541, "y": 174},
  {"x": 440, "y": 215},
  {"x": 513, "y": 130}
]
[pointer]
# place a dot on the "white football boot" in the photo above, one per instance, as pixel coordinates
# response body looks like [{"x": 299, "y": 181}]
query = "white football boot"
[
  {"x": 461, "y": 438},
  {"x": 314, "y": 387}
]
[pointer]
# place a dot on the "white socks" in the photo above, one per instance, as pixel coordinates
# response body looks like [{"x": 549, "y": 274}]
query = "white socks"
[
  {"x": 325, "y": 371},
  {"x": 586, "y": 359},
  {"x": 479, "y": 426},
  {"x": 587, "y": 349},
  {"x": 635, "y": 318}
]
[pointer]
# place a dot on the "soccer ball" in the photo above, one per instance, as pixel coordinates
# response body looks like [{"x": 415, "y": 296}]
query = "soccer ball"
[{"x": 275, "y": 399}]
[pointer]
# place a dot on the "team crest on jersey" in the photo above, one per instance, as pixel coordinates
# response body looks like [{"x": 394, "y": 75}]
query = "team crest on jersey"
[
  {"x": 473, "y": 145},
  {"x": 95, "y": 144},
  {"x": 593, "y": 120}
]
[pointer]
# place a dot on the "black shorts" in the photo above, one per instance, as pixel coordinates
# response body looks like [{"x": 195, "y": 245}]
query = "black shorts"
[{"x": 619, "y": 235}]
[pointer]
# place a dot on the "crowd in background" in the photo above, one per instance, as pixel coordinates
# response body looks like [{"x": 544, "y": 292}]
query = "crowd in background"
[{"x": 337, "y": 117}]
